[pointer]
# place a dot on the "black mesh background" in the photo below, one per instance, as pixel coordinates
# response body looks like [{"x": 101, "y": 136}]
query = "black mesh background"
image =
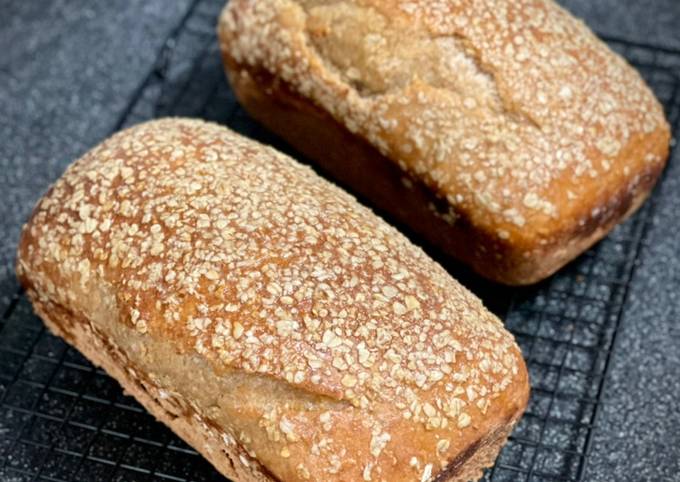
[{"x": 63, "y": 420}]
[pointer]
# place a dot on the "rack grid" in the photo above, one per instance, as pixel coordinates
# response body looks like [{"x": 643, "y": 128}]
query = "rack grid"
[{"x": 63, "y": 420}]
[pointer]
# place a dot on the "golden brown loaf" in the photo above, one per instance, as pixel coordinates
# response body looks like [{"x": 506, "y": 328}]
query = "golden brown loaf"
[
  {"x": 503, "y": 131},
  {"x": 277, "y": 325}
]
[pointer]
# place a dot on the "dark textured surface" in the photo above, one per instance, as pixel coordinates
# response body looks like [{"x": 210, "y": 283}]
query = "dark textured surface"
[
  {"x": 649, "y": 21},
  {"x": 67, "y": 71},
  {"x": 639, "y": 433}
]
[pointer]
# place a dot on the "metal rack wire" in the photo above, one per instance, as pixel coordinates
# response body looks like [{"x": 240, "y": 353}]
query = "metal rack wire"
[{"x": 62, "y": 420}]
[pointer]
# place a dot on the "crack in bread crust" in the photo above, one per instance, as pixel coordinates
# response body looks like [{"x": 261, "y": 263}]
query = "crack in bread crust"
[
  {"x": 230, "y": 459},
  {"x": 224, "y": 452}
]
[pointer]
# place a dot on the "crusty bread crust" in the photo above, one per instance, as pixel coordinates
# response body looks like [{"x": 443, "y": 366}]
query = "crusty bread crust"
[
  {"x": 270, "y": 308},
  {"x": 359, "y": 166},
  {"x": 530, "y": 136}
]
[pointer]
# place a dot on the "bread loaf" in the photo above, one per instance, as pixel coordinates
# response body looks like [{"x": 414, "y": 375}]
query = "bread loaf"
[
  {"x": 278, "y": 326},
  {"x": 502, "y": 131}
]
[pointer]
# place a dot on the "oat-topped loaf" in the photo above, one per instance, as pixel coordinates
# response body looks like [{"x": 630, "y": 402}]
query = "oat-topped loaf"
[
  {"x": 278, "y": 326},
  {"x": 502, "y": 131}
]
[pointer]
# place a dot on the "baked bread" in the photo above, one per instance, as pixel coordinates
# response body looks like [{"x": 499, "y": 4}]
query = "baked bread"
[
  {"x": 279, "y": 327},
  {"x": 502, "y": 131}
]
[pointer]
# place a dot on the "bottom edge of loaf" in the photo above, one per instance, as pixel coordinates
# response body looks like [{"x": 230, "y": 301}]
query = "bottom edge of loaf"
[
  {"x": 227, "y": 456},
  {"x": 470, "y": 466}
]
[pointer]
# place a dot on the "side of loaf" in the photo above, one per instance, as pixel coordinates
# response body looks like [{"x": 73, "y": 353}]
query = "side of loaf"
[
  {"x": 279, "y": 327},
  {"x": 503, "y": 132}
]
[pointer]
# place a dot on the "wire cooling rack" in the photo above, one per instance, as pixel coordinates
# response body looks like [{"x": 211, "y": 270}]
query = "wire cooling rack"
[{"x": 63, "y": 420}]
